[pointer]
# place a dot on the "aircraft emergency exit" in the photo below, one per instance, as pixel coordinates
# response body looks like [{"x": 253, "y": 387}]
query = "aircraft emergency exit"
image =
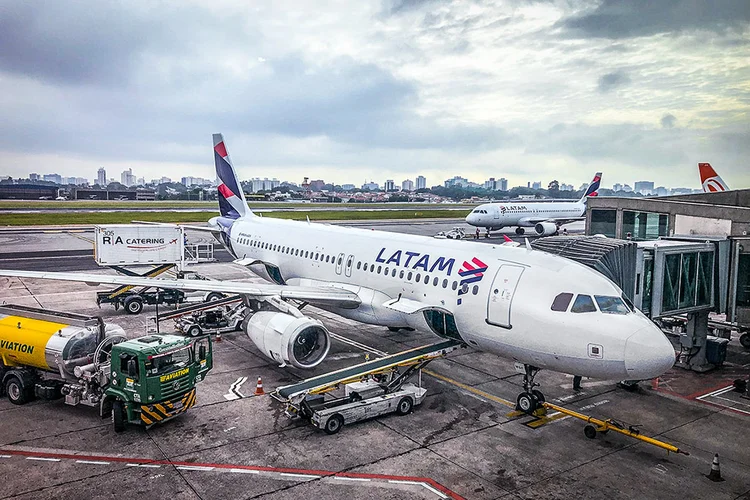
[
  {"x": 545, "y": 217},
  {"x": 541, "y": 310}
]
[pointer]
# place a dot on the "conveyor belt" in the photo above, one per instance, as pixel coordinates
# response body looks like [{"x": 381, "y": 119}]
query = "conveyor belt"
[
  {"x": 340, "y": 376},
  {"x": 233, "y": 299}
]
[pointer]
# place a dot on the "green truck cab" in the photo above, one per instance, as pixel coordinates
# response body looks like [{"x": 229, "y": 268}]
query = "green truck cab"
[{"x": 153, "y": 378}]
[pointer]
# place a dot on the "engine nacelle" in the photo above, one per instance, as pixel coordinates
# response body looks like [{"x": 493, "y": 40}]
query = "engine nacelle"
[
  {"x": 545, "y": 228},
  {"x": 298, "y": 341}
]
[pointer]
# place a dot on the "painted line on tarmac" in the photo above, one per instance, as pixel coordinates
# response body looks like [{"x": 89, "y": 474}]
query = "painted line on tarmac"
[
  {"x": 286, "y": 474},
  {"x": 470, "y": 389}
]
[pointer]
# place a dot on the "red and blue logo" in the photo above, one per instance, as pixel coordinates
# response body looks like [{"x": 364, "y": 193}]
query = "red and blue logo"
[{"x": 470, "y": 272}]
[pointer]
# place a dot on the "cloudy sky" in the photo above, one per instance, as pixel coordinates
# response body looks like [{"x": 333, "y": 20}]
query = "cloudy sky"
[{"x": 360, "y": 90}]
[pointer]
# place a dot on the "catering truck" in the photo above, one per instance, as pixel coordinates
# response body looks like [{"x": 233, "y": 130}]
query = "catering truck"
[{"x": 143, "y": 381}]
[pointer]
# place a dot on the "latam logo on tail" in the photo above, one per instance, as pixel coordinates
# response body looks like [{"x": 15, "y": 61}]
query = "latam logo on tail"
[
  {"x": 593, "y": 189},
  {"x": 710, "y": 179},
  {"x": 470, "y": 272}
]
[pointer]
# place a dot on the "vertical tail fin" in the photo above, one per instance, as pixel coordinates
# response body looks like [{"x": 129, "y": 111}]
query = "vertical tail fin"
[
  {"x": 593, "y": 189},
  {"x": 710, "y": 179},
  {"x": 232, "y": 203}
]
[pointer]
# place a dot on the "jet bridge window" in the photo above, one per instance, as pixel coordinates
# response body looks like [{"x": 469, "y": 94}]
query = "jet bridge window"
[
  {"x": 583, "y": 304},
  {"x": 561, "y": 302},
  {"x": 611, "y": 305}
]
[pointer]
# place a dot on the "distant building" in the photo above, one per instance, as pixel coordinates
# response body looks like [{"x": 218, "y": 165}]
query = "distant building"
[
  {"x": 127, "y": 178},
  {"x": 56, "y": 178},
  {"x": 566, "y": 187},
  {"x": 617, "y": 187},
  {"x": 644, "y": 187},
  {"x": 407, "y": 185},
  {"x": 101, "y": 177},
  {"x": 317, "y": 185},
  {"x": 456, "y": 181},
  {"x": 390, "y": 185},
  {"x": 503, "y": 184},
  {"x": 421, "y": 182},
  {"x": 625, "y": 188},
  {"x": 141, "y": 181},
  {"x": 661, "y": 191},
  {"x": 536, "y": 185},
  {"x": 34, "y": 177},
  {"x": 265, "y": 184},
  {"x": 490, "y": 184},
  {"x": 348, "y": 187},
  {"x": 371, "y": 186}
]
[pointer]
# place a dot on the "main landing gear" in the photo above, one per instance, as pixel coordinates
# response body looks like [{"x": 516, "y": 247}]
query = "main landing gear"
[{"x": 530, "y": 399}]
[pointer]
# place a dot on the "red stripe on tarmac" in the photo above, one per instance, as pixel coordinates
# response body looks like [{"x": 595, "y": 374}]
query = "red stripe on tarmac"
[{"x": 105, "y": 458}]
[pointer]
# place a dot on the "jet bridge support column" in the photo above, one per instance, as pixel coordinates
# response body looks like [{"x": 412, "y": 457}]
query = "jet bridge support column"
[{"x": 693, "y": 343}]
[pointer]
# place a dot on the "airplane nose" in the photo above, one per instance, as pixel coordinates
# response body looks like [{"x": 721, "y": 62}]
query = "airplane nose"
[
  {"x": 648, "y": 354},
  {"x": 470, "y": 218}
]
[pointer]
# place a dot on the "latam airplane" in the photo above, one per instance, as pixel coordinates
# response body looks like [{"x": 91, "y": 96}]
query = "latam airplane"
[
  {"x": 710, "y": 180},
  {"x": 545, "y": 218},
  {"x": 538, "y": 309}
]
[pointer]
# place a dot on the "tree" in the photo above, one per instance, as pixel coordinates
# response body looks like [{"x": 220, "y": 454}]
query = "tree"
[{"x": 553, "y": 188}]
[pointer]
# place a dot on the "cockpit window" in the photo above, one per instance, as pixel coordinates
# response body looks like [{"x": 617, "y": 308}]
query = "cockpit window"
[
  {"x": 562, "y": 302},
  {"x": 583, "y": 304},
  {"x": 611, "y": 305}
]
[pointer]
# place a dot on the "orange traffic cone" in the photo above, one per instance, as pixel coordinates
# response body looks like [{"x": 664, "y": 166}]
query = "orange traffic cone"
[
  {"x": 259, "y": 388},
  {"x": 715, "y": 474}
]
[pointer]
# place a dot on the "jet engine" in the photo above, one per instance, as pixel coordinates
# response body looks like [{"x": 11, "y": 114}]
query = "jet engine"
[
  {"x": 298, "y": 341},
  {"x": 545, "y": 228}
]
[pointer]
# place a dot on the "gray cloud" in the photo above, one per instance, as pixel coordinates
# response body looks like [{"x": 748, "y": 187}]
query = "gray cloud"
[
  {"x": 616, "y": 19},
  {"x": 611, "y": 81},
  {"x": 668, "y": 120}
]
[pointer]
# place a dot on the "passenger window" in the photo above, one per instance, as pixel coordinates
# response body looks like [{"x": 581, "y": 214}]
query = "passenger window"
[
  {"x": 435, "y": 281},
  {"x": 316, "y": 256},
  {"x": 454, "y": 285},
  {"x": 583, "y": 304},
  {"x": 401, "y": 274},
  {"x": 393, "y": 273},
  {"x": 364, "y": 268},
  {"x": 611, "y": 305},
  {"x": 562, "y": 301},
  {"x": 386, "y": 271},
  {"x": 426, "y": 279},
  {"x": 359, "y": 264},
  {"x": 419, "y": 277},
  {"x": 445, "y": 283},
  {"x": 408, "y": 276},
  {"x": 475, "y": 290},
  {"x": 380, "y": 268}
]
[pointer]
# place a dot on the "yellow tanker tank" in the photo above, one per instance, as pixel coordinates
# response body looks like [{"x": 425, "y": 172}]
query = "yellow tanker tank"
[{"x": 46, "y": 345}]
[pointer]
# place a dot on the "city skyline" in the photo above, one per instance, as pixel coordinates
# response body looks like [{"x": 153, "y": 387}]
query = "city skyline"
[{"x": 382, "y": 90}]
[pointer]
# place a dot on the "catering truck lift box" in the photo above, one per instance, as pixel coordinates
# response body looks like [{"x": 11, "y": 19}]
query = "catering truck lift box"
[
  {"x": 138, "y": 244},
  {"x": 143, "y": 381}
]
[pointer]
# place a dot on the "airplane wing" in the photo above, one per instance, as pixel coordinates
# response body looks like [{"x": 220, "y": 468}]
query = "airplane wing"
[
  {"x": 314, "y": 294},
  {"x": 208, "y": 229}
]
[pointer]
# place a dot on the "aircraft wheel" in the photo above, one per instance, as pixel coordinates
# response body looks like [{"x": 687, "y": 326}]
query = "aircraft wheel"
[
  {"x": 526, "y": 403},
  {"x": 589, "y": 431},
  {"x": 404, "y": 406},
  {"x": 745, "y": 340},
  {"x": 520, "y": 231},
  {"x": 334, "y": 424},
  {"x": 538, "y": 396}
]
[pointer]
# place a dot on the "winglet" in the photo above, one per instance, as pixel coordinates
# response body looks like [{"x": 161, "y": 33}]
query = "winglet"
[{"x": 710, "y": 180}]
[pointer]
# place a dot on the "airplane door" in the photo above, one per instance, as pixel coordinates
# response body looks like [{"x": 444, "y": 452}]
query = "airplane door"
[
  {"x": 501, "y": 295},
  {"x": 339, "y": 263},
  {"x": 496, "y": 213},
  {"x": 349, "y": 263}
]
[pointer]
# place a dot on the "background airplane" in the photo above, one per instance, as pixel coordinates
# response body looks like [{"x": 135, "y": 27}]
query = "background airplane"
[
  {"x": 545, "y": 217},
  {"x": 710, "y": 180},
  {"x": 538, "y": 309}
]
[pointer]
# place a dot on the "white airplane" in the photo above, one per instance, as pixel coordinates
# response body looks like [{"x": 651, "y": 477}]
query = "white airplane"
[
  {"x": 545, "y": 217},
  {"x": 538, "y": 309},
  {"x": 710, "y": 180}
]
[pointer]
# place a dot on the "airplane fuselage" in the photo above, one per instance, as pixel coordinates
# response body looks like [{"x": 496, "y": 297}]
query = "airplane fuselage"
[
  {"x": 492, "y": 297},
  {"x": 522, "y": 214}
]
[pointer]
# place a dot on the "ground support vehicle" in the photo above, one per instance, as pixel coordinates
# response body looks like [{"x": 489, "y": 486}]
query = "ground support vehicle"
[
  {"x": 221, "y": 319},
  {"x": 457, "y": 233},
  {"x": 133, "y": 298},
  {"x": 372, "y": 389},
  {"x": 52, "y": 354}
]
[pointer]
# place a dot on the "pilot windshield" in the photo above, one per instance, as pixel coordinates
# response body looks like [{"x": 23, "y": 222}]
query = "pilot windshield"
[{"x": 611, "y": 305}]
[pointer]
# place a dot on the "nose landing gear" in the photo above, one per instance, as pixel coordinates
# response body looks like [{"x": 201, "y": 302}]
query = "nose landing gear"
[{"x": 530, "y": 399}]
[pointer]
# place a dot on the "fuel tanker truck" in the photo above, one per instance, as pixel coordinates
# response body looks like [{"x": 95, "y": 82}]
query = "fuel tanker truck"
[{"x": 143, "y": 381}]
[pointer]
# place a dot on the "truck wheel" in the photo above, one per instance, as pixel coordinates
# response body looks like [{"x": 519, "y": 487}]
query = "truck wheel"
[
  {"x": 16, "y": 392},
  {"x": 118, "y": 416},
  {"x": 589, "y": 431},
  {"x": 745, "y": 340},
  {"x": 334, "y": 424},
  {"x": 134, "y": 305},
  {"x": 194, "y": 331},
  {"x": 404, "y": 406},
  {"x": 214, "y": 296}
]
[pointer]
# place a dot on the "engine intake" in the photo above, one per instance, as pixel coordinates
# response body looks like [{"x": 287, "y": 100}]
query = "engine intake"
[
  {"x": 298, "y": 341},
  {"x": 545, "y": 228}
]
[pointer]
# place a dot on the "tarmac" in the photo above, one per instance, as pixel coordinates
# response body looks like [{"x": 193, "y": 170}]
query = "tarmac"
[{"x": 464, "y": 441}]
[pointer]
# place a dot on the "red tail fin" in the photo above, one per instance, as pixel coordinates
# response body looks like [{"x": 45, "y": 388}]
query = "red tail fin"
[{"x": 710, "y": 179}]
